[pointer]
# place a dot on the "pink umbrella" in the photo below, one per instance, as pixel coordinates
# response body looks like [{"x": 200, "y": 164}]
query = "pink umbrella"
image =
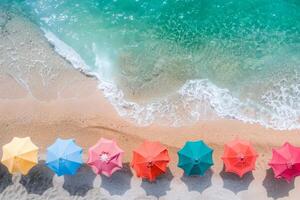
[
  {"x": 105, "y": 157},
  {"x": 286, "y": 162}
]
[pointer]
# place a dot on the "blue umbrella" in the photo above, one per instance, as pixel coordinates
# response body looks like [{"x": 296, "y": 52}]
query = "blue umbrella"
[{"x": 64, "y": 157}]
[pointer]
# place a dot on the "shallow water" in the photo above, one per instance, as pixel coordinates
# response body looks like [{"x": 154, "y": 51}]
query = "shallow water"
[{"x": 184, "y": 61}]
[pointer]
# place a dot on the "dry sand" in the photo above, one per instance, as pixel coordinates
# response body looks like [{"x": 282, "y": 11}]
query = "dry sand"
[{"x": 43, "y": 96}]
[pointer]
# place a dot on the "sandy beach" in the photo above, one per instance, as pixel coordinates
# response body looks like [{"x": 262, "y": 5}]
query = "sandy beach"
[{"x": 44, "y": 97}]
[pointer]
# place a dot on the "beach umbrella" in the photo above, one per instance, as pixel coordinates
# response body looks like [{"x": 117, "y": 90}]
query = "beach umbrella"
[
  {"x": 105, "y": 157},
  {"x": 239, "y": 157},
  {"x": 195, "y": 158},
  {"x": 20, "y": 155},
  {"x": 64, "y": 157},
  {"x": 285, "y": 162},
  {"x": 150, "y": 160}
]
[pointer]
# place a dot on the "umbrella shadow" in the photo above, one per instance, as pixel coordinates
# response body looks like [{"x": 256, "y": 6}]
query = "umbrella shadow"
[
  {"x": 5, "y": 178},
  {"x": 159, "y": 187},
  {"x": 276, "y": 188},
  {"x": 38, "y": 180},
  {"x": 80, "y": 183},
  {"x": 119, "y": 182},
  {"x": 234, "y": 183},
  {"x": 198, "y": 183}
]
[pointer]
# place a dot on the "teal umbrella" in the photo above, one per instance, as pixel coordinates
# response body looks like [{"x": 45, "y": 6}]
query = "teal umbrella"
[{"x": 195, "y": 158}]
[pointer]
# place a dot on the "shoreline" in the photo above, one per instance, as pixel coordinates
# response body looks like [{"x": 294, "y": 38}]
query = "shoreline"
[
  {"x": 69, "y": 104},
  {"x": 216, "y": 102}
]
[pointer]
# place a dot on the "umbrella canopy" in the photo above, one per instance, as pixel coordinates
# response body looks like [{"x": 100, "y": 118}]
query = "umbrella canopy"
[
  {"x": 105, "y": 157},
  {"x": 64, "y": 157},
  {"x": 195, "y": 158},
  {"x": 150, "y": 160},
  {"x": 285, "y": 162},
  {"x": 239, "y": 157},
  {"x": 20, "y": 155}
]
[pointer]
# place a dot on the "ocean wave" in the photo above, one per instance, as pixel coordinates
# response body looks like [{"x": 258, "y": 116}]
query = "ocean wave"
[{"x": 195, "y": 100}]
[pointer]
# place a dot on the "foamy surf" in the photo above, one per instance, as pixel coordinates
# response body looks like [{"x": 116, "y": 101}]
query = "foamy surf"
[{"x": 196, "y": 100}]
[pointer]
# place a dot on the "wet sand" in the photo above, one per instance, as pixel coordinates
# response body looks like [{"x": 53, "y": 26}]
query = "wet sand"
[{"x": 44, "y": 97}]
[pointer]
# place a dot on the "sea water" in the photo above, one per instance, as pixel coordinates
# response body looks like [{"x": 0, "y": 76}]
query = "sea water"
[{"x": 180, "y": 61}]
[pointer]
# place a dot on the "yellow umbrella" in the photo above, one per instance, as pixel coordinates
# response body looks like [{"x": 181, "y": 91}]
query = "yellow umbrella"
[{"x": 20, "y": 155}]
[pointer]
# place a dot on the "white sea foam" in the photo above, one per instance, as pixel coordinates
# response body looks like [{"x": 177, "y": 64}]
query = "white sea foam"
[
  {"x": 66, "y": 51},
  {"x": 196, "y": 100}
]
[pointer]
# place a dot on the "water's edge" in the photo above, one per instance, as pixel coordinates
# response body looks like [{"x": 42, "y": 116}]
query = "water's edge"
[{"x": 199, "y": 97}]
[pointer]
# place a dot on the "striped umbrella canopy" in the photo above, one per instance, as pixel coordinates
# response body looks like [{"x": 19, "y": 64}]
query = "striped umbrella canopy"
[
  {"x": 195, "y": 158},
  {"x": 20, "y": 155},
  {"x": 105, "y": 157},
  {"x": 64, "y": 157},
  {"x": 285, "y": 162},
  {"x": 150, "y": 160},
  {"x": 239, "y": 157}
]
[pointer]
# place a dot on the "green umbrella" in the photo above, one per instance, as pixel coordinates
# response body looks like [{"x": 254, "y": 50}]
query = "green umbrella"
[{"x": 195, "y": 158}]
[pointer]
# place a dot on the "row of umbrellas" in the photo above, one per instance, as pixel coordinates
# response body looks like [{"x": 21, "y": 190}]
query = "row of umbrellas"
[{"x": 150, "y": 159}]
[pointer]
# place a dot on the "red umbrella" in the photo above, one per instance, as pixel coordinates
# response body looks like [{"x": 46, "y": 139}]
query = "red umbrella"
[
  {"x": 286, "y": 162},
  {"x": 239, "y": 157},
  {"x": 150, "y": 160}
]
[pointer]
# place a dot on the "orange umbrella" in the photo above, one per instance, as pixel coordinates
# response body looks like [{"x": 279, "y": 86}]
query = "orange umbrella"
[
  {"x": 239, "y": 157},
  {"x": 150, "y": 160}
]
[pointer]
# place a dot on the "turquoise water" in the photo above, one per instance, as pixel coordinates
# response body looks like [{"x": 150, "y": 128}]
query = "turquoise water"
[{"x": 238, "y": 59}]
